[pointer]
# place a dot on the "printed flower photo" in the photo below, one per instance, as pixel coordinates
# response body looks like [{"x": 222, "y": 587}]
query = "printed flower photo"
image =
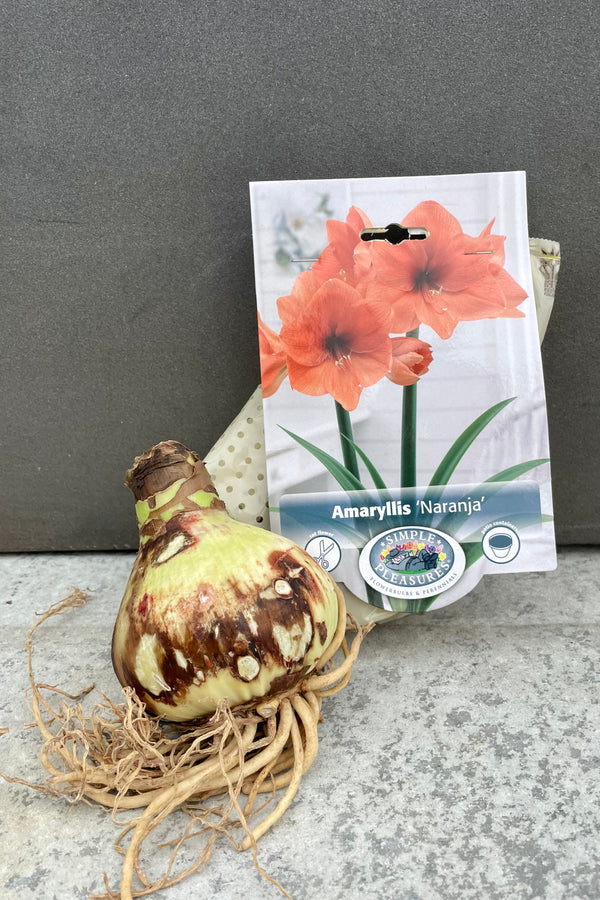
[
  {"x": 353, "y": 318},
  {"x": 369, "y": 310}
]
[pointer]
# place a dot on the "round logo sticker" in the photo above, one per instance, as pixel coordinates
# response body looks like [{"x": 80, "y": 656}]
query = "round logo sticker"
[{"x": 412, "y": 562}]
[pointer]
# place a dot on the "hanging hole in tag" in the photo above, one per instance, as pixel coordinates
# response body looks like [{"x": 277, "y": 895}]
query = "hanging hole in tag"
[{"x": 394, "y": 234}]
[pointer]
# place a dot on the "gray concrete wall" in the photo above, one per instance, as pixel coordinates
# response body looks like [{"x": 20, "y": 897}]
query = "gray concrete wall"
[{"x": 129, "y": 134}]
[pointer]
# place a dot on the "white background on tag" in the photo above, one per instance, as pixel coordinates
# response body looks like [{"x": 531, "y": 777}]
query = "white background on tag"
[{"x": 484, "y": 362}]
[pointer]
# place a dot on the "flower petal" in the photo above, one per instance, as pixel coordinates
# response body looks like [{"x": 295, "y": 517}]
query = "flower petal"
[
  {"x": 482, "y": 300},
  {"x": 339, "y": 382},
  {"x": 308, "y": 379},
  {"x": 273, "y": 363},
  {"x": 357, "y": 219},
  {"x": 343, "y": 385},
  {"x": 435, "y": 218},
  {"x": 346, "y": 257},
  {"x": 512, "y": 290},
  {"x": 303, "y": 290},
  {"x": 430, "y": 311},
  {"x": 370, "y": 368}
]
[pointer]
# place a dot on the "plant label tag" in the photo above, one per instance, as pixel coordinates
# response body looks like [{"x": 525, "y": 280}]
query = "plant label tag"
[{"x": 405, "y": 419}]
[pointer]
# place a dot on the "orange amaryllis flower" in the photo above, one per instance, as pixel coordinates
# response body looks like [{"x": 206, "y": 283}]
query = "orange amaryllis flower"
[
  {"x": 411, "y": 358},
  {"x": 338, "y": 345},
  {"x": 447, "y": 278},
  {"x": 346, "y": 257},
  {"x": 273, "y": 364}
]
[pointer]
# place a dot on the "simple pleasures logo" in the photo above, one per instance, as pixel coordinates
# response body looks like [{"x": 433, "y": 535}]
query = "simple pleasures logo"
[{"x": 412, "y": 562}]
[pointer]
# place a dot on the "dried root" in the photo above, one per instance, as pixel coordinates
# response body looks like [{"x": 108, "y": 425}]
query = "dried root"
[{"x": 120, "y": 757}]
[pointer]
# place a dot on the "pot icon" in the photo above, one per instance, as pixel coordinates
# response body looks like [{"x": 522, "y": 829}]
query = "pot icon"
[{"x": 501, "y": 545}]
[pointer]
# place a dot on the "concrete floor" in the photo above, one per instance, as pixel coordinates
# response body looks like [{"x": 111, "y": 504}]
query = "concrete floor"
[{"x": 462, "y": 760}]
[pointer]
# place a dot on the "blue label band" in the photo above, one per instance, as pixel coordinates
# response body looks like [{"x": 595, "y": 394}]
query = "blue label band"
[{"x": 414, "y": 544}]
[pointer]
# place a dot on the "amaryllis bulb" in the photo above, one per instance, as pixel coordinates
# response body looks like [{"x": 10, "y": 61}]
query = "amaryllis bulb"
[{"x": 214, "y": 609}]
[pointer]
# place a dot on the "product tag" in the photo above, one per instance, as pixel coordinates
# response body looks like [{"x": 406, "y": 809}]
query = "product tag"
[{"x": 404, "y": 408}]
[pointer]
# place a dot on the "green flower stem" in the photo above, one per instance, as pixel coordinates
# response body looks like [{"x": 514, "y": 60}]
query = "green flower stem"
[
  {"x": 345, "y": 429},
  {"x": 408, "y": 460},
  {"x": 351, "y": 462}
]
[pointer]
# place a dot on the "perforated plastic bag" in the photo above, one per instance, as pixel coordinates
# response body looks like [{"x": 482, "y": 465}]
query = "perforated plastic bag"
[{"x": 238, "y": 465}]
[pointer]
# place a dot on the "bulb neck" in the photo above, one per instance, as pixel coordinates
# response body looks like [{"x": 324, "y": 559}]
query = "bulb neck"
[{"x": 166, "y": 480}]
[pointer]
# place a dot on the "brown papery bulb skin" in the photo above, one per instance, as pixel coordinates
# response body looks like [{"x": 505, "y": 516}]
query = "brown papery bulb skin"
[{"x": 214, "y": 609}]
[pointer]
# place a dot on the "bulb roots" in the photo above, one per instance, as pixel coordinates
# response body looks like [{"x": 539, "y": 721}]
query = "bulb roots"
[{"x": 120, "y": 757}]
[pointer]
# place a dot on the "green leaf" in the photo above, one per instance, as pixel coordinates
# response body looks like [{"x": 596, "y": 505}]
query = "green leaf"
[
  {"x": 377, "y": 479},
  {"x": 473, "y": 552},
  {"x": 342, "y": 475},
  {"x": 460, "y": 446},
  {"x": 456, "y": 519},
  {"x": 345, "y": 429},
  {"x": 516, "y": 471}
]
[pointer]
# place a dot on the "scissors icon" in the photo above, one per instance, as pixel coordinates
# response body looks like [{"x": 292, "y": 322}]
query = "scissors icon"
[{"x": 323, "y": 551}]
